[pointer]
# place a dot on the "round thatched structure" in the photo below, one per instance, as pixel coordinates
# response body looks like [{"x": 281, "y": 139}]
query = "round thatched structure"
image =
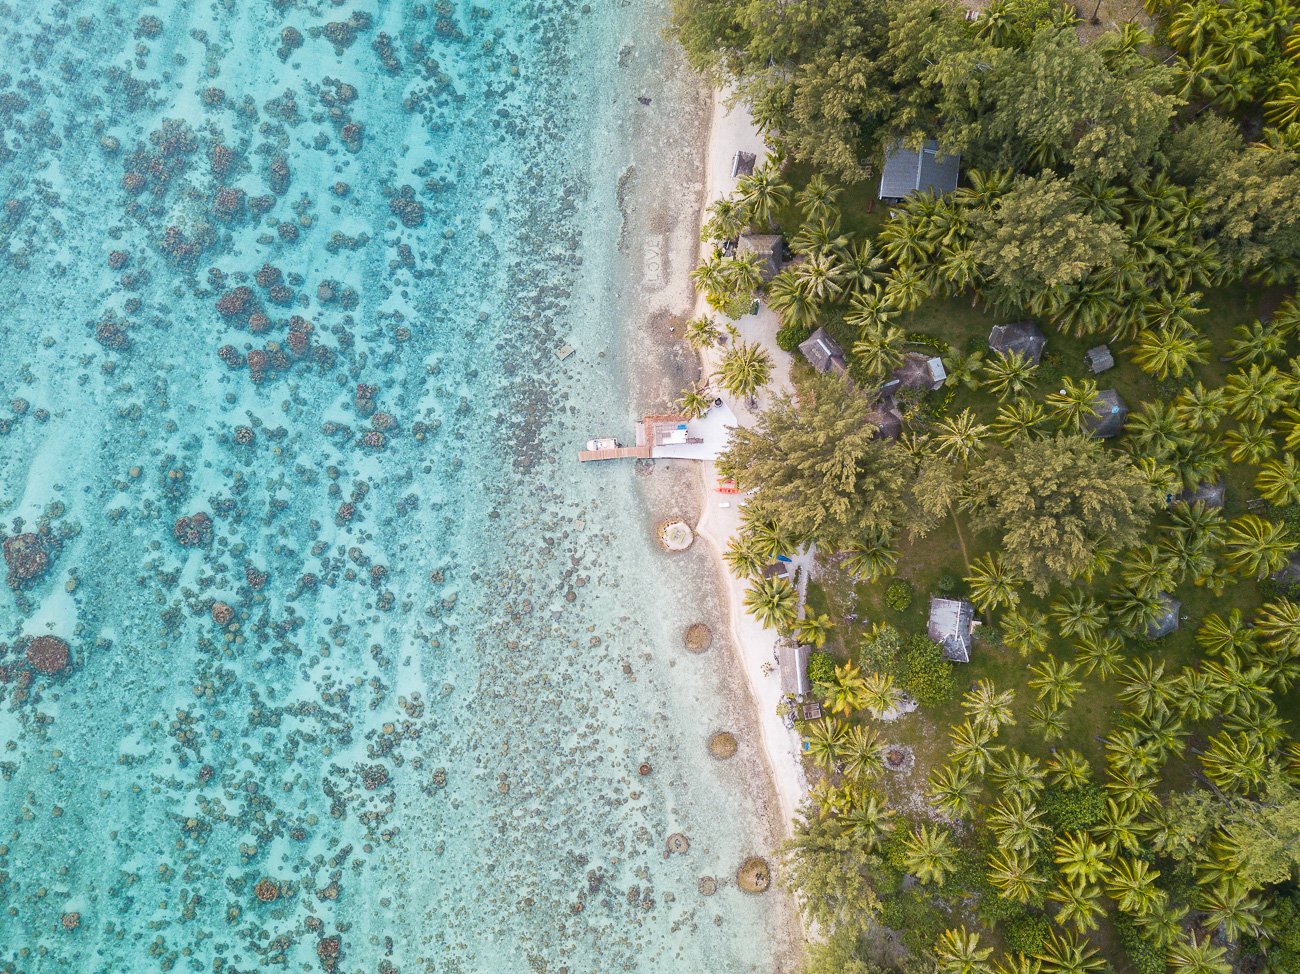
[
  {"x": 754, "y": 876},
  {"x": 675, "y": 534},
  {"x": 697, "y": 638},
  {"x": 722, "y": 745}
]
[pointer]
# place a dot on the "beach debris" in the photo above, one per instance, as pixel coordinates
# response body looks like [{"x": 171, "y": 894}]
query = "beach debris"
[
  {"x": 675, "y": 534},
  {"x": 754, "y": 876},
  {"x": 722, "y": 745},
  {"x": 644, "y": 99},
  {"x": 697, "y": 638},
  {"x": 47, "y": 654}
]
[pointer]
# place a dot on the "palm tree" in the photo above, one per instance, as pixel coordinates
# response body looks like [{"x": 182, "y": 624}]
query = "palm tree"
[
  {"x": 814, "y": 629},
  {"x": 727, "y": 220},
  {"x": 1191, "y": 956},
  {"x": 879, "y": 349},
  {"x": 871, "y": 559},
  {"x": 1069, "y": 769},
  {"x": 988, "y": 706},
  {"x": 1081, "y": 860},
  {"x": 958, "y": 437},
  {"x": 1219, "y": 635},
  {"x": 847, "y": 690},
  {"x": 970, "y": 748},
  {"x": 1078, "y": 614},
  {"x": 1100, "y": 654},
  {"x": 745, "y": 369},
  {"x": 1018, "y": 825},
  {"x": 1231, "y": 908},
  {"x": 693, "y": 403},
  {"x": 713, "y": 279},
  {"x": 1202, "y": 408},
  {"x": 820, "y": 276},
  {"x": 959, "y": 952},
  {"x": 820, "y": 237},
  {"x": 861, "y": 268},
  {"x": 1023, "y": 417},
  {"x": 1250, "y": 443},
  {"x": 1048, "y": 721},
  {"x": 743, "y": 556},
  {"x": 879, "y": 693},
  {"x": 1278, "y": 481},
  {"x": 1132, "y": 885},
  {"x": 1169, "y": 352},
  {"x": 1068, "y": 953},
  {"x": 702, "y": 333},
  {"x": 1254, "y": 394},
  {"x": 817, "y": 199},
  {"x": 1055, "y": 682},
  {"x": 1255, "y": 547},
  {"x": 929, "y": 854},
  {"x": 862, "y": 756},
  {"x": 1009, "y": 375},
  {"x": 1025, "y": 631},
  {"x": 868, "y": 820},
  {"x": 1013, "y": 873},
  {"x": 1235, "y": 762},
  {"x": 773, "y": 602},
  {"x": 992, "y": 583},
  {"x": 828, "y": 739},
  {"x": 964, "y": 368},
  {"x": 1077, "y": 905},
  {"x": 763, "y": 192},
  {"x": 1278, "y": 623},
  {"x": 954, "y": 790},
  {"x": 1149, "y": 570},
  {"x": 789, "y": 299},
  {"x": 1257, "y": 342},
  {"x": 1018, "y": 775},
  {"x": 871, "y": 308},
  {"x": 1073, "y": 406},
  {"x": 1135, "y": 610},
  {"x": 906, "y": 288}
]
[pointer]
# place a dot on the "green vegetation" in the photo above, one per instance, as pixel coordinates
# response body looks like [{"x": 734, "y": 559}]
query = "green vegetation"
[{"x": 1092, "y": 791}]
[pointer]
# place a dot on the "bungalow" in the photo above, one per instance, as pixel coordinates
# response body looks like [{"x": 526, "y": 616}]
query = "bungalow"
[
  {"x": 823, "y": 352},
  {"x": 742, "y": 164},
  {"x": 910, "y": 171},
  {"x": 766, "y": 246},
  {"x": 919, "y": 371},
  {"x": 952, "y": 623},
  {"x": 1018, "y": 336},
  {"x": 887, "y": 420},
  {"x": 1211, "y": 493},
  {"x": 1167, "y": 621},
  {"x": 792, "y": 659},
  {"x": 1110, "y": 415}
]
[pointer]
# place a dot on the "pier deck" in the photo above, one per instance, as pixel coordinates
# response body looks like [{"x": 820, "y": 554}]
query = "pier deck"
[{"x": 616, "y": 453}]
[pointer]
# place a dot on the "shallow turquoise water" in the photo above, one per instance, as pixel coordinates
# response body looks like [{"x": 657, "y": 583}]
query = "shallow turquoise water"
[{"x": 403, "y": 670}]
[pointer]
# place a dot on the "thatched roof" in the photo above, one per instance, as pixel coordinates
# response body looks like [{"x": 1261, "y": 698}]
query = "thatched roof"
[
  {"x": 1168, "y": 619},
  {"x": 919, "y": 371},
  {"x": 1110, "y": 414},
  {"x": 822, "y": 352},
  {"x": 1018, "y": 336},
  {"x": 1099, "y": 359},
  {"x": 768, "y": 248},
  {"x": 1211, "y": 494},
  {"x": 792, "y": 658}
]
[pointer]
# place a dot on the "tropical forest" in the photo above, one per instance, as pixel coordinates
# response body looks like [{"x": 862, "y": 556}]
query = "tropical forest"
[{"x": 1060, "y": 579}]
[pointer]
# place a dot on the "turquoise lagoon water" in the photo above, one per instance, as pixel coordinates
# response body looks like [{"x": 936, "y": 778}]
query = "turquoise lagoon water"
[{"x": 362, "y": 666}]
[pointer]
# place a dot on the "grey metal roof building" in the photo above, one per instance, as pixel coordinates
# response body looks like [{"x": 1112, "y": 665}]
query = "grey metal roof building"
[
  {"x": 909, "y": 171},
  {"x": 1168, "y": 619},
  {"x": 792, "y": 658},
  {"x": 1018, "y": 336},
  {"x": 951, "y": 625},
  {"x": 1111, "y": 413}
]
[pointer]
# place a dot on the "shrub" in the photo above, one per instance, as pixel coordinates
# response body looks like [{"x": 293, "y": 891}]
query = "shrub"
[
  {"x": 1068, "y": 811},
  {"x": 1146, "y": 956},
  {"x": 821, "y": 668},
  {"x": 927, "y": 674},
  {"x": 948, "y": 583},
  {"x": 899, "y": 594},
  {"x": 881, "y": 648},
  {"x": 1027, "y": 933},
  {"x": 788, "y": 337}
]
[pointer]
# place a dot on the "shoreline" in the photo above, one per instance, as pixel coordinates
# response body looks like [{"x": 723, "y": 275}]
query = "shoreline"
[{"x": 732, "y": 129}]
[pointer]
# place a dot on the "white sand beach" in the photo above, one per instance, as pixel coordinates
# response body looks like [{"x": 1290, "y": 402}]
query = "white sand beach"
[{"x": 733, "y": 130}]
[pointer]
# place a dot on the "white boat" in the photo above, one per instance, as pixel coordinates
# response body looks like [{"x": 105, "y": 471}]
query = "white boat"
[{"x": 603, "y": 443}]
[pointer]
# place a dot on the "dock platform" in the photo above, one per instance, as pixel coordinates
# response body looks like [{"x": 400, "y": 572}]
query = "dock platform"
[{"x": 615, "y": 453}]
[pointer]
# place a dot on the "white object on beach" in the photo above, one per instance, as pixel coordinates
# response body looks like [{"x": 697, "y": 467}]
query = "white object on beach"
[{"x": 724, "y": 503}]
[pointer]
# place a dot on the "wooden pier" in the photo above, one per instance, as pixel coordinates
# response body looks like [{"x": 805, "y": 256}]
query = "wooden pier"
[
  {"x": 646, "y": 432},
  {"x": 617, "y": 453}
]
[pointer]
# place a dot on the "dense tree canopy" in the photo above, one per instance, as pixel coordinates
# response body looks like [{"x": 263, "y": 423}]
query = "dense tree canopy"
[{"x": 1053, "y": 501}]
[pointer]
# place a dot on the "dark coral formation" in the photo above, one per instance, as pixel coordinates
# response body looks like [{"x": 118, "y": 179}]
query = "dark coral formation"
[
  {"x": 193, "y": 531},
  {"x": 26, "y": 557},
  {"x": 48, "y": 654}
]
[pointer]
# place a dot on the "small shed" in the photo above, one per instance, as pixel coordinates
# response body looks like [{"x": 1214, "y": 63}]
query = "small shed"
[
  {"x": 1018, "y": 336},
  {"x": 910, "y": 171},
  {"x": 1099, "y": 359},
  {"x": 919, "y": 371},
  {"x": 792, "y": 658},
  {"x": 823, "y": 352},
  {"x": 742, "y": 164},
  {"x": 777, "y": 569},
  {"x": 951, "y": 625},
  {"x": 1210, "y": 493},
  {"x": 1167, "y": 621},
  {"x": 1111, "y": 412},
  {"x": 1289, "y": 577},
  {"x": 767, "y": 246}
]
